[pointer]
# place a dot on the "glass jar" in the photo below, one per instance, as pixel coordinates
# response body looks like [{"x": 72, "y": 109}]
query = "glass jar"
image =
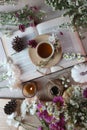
[{"x": 29, "y": 89}]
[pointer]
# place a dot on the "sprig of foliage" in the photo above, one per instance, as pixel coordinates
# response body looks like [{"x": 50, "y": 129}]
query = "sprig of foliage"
[
  {"x": 26, "y": 17},
  {"x": 76, "y": 108},
  {"x": 76, "y": 9}
]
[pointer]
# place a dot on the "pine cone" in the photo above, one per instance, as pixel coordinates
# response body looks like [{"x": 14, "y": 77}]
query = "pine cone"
[
  {"x": 10, "y": 107},
  {"x": 18, "y": 44}
]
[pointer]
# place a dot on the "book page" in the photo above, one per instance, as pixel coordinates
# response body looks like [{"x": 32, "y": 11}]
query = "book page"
[
  {"x": 84, "y": 40},
  {"x": 2, "y": 53},
  {"x": 69, "y": 40}
]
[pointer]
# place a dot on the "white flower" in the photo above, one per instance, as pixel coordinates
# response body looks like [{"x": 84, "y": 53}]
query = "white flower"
[
  {"x": 13, "y": 74},
  {"x": 74, "y": 103},
  {"x": 66, "y": 86},
  {"x": 29, "y": 105},
  {"x": 52, "y": 38},
  {"x": 32, "y": 100},
  {"x": 14, "y": 83},
  {"x": 77, "y": 90},
  {"x": 24, "y": 108},
  {"x": 11, "y": 120},
  {"x": 13, "y": 70},
  {"x": 80, "y": 114},
  {"x": 66, "y": 116},
  {"x": 3, "y": 63},
  {"x": 82, "y": 118},
  {"x": 33, "y": 109},
  {"x": 79, "y": 73}
]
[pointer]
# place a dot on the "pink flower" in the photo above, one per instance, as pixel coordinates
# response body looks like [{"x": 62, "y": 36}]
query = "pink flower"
[
  {"x": 85, "y": 93},
  {"x": 16, "y": 14},
  {"x": 34, "y": 8},
  {"x": 40, "y": 128},
  {"x": 45, "y": 116},
  {"x": 39, "y": 106},
  {"x": 21, "y": 27},
  {"x": 31, "y": 17},
  {"x": 32, "y": 24},
  {"x": 59, "y": 125},
  {"x": 58, "y": 99},
  {"x": 61, "y": 33}
]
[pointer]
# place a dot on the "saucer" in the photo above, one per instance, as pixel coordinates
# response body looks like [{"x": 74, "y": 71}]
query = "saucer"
[{"x": 37, "y": 60}]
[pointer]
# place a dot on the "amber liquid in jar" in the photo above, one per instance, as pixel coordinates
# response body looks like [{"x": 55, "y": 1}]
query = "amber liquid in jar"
[{"x": 29, "y": 89}]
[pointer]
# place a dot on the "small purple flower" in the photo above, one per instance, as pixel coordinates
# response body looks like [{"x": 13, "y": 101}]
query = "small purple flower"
[
  {"x": 34, "y": 8},
  {"x": 16, "y": 14},
  {"x": 40, "y": 115},
  {"x": 53, "y": 126},
  {"x": 21, "y": 27},
  {"x": 39, "y": 106},
  {"x": 85, "y": 93},
  {"x": 59, "y": 125},
  {"x": 62, "y": 122},
  {"x": 45, "y": 116},
  {"x": 61, "y": 33},
  {"x": 40, "y": 128},
  {"x": 59, "y": 100},
  {"x": 32, "y": 24},
  {"x": 32, "y": 43}
]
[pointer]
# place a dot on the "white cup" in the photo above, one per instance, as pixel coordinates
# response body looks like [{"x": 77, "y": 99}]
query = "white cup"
[{"x": 45, "y": 50}]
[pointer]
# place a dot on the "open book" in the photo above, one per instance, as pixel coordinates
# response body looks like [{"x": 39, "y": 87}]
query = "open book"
[{"x": 69, "y": 39}]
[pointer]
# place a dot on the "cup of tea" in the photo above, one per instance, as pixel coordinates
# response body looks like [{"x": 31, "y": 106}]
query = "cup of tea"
[
  {"x": 29, "y": 89},
  {"x": 45, "y": 50}
]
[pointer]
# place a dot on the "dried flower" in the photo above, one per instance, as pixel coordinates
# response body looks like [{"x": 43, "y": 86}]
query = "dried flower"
[
  {"x": 34, "y": 8},
  {"x": 21, "y": 27},
  {"x": 29, "y": 106},
  {"x": 32, "y": 24},
  {"x": 61, "y": 33},
  {"x": 32, "y": 43},
  {"x": 85, "y": 93},
  {"x": 12, "y": 74},
  {"x": 11, "y": 120}
]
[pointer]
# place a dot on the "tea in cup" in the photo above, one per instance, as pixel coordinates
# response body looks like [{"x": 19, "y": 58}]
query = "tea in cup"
[{"x": 45, "y": 50}]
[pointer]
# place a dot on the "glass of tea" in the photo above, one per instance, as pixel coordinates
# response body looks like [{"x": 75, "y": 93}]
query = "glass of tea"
[
  {"x": 29, "y": 89},
  {"x": 45, "y": 50}
]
